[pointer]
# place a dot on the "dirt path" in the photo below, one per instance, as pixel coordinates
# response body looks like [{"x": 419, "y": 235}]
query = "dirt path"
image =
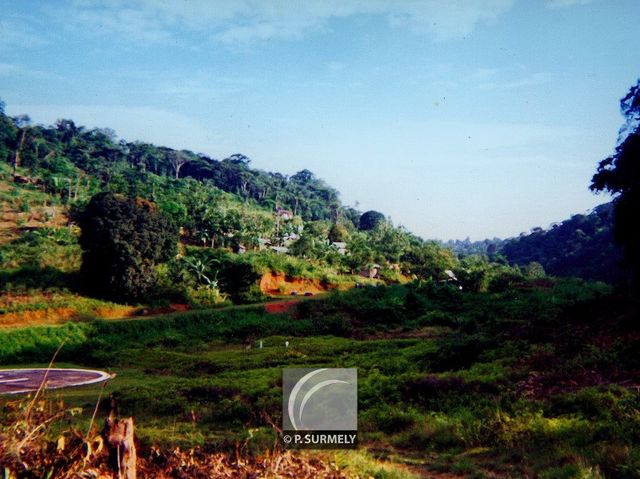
[{"x": 28, "y": 319}]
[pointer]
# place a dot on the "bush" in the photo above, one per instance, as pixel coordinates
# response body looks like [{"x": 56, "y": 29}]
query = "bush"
[
  {"x": 337, "y": 324},
  {"x": 205, "y": 297},
  {"x": 123, "y": 239}
]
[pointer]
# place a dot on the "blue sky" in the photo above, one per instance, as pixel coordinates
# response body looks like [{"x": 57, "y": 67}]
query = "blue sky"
[{"x": 475, "y": 118}]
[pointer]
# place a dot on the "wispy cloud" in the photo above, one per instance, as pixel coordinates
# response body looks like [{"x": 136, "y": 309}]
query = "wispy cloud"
[
  {"x": 244, "y": 21},
  {"x": 511, "y": 77},
  {"x": 202, "y": 87},
  {"x": 7, "y": 69},
  {"x": 15, "y": 34},
  {"x": 15, "y": 69},
  {"x": 445, "y": 21},
  {"x": 566, "y": 3},
  {"x": 131, "y": 24}
]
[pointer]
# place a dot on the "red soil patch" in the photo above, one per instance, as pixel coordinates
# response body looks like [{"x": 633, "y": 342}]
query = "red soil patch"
[
  {"x": 277, "y": 284},
  {"x": 180, "y": 307},
  {"x": 110, "y": 312},
  {"x": 280, "y": 306}
]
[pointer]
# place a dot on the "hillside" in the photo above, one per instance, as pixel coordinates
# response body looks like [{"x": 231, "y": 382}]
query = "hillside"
[
  {"x": 244, "y": 234},
  {"x": 581, "y": 246},
  {"x": 227, "y": 204},
  {"x": 224, "y": 209},
  {"x": 468, "y": 366},
  {"x": 68, "y": 154}
]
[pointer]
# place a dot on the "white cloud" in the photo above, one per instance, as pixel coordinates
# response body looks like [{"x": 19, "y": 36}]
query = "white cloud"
[
  {"x": 506, "y": 78},
  {"x": 446, "y": 21},
  {"x": 243, "y": 21},
  {"x": 126, "y": 24},
  {"x": 484, "y": 74}
]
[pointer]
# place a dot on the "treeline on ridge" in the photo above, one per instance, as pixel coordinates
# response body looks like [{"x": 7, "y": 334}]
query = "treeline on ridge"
[
  {"x": 581, "y": 246},
  {"x": 57, "y": 149}
]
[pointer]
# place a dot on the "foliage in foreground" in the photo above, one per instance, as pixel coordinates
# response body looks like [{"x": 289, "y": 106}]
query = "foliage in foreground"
[{"x": 33, "y": 446}]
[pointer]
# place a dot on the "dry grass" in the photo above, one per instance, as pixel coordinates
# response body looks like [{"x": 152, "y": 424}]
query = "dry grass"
[
  {"x": 21, "y": 208},
  {"x": 30, "y": 449},
  {"x": 42, "y": 317}
]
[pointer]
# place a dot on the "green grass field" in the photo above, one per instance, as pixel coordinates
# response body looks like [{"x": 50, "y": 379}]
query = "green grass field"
[{"x": 510, "y": 384}]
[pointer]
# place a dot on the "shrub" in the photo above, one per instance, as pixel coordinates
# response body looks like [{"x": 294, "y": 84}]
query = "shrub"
[
  {"x": 123, "y": 239},
  {"x": 205, "y": 297}
]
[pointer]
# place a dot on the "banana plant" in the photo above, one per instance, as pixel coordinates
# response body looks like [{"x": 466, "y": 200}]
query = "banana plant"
[{"x": 199, "y": 269}]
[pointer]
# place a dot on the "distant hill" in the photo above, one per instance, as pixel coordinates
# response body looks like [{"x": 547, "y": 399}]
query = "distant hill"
[
  {"x": 581, "y": 246},
  {"x": 467, "y": 247}
]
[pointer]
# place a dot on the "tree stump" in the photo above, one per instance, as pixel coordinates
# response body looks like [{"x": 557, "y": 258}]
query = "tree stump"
[{"x": 118, "y": 434}]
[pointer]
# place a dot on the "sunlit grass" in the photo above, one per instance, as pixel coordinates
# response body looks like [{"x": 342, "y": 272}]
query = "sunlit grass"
[{"x": 189, "y": 379}]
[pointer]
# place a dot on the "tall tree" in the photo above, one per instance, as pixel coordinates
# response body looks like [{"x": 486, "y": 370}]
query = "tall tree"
[
  {"x": 22, "y": 122},
  {"x": 178, "y": 159},
  {"x": 370, "y": 219},
  {"x": 619, "y": 174},
  {"x": 8, "y": 132},
  {"x": 122, "y": 241},
  {"x": 68, "y": 130}
]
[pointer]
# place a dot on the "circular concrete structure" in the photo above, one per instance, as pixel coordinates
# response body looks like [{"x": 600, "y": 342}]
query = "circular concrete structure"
[{"x": 16, "y": 381}]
